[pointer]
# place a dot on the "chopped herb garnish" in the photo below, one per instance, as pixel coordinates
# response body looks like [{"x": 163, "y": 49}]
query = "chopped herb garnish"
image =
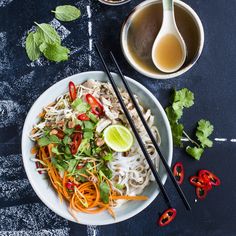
[
  {"x": 104, "y": 192},
  {"x": 184, "y": 98}
]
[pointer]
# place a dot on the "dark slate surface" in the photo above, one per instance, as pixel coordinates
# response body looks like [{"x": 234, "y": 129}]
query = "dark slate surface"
[{"x": 212, "y": 80}]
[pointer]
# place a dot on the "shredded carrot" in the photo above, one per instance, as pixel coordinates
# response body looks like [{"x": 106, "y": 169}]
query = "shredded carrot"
[
  {"x": 34, "y": 150},
  {"x": 84, "y": 197}
]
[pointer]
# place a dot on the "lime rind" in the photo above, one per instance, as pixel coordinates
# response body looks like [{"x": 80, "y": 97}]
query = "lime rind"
[{"x": 118, "y": 138}]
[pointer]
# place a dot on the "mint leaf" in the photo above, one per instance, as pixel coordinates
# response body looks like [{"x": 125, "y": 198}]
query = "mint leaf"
[
  {"x": 104, "y": 192},
  {"x": 46, "y": 33},
  {"x": 195, "y": 152},
  {"x": 204, "y": 130},
  {"x": 32, "y": 49},
  {"x": 67, "y": 13},
  {"x": 56, "y": 52}
]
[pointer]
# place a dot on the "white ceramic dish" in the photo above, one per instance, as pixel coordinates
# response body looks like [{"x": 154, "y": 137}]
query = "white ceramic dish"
[
  {"x": 41, "y": 185},
  {"x": 190, "y": 61}
]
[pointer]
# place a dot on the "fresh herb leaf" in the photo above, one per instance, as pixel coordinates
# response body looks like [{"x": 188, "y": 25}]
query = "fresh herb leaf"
[
  {"x": 88, "y": 135},
  {"x": 32, "y": 48},
  {"x": 56, "y": 52},
  {"x": 54, "y": 139},
  {"x": 177, "y": 133},
  {"x": 68, "y": 131},
  {"x": 66, "y": 140},
  {"x": 57, "y": 165},
  {"x": 44, "y": 141},
  {"x": 204, "y": 130},
  {"x": 104, "y": 192},
  {"x": 119, "y": 186},
  {"x": 67, "y": 13},
  {"x": 106, "y": 171},
  {"x": 183, "y": 98},
  {"x": 56, "y": 151},
  {"x": 71, "y": 165},
  {"x": 195, "y": 152},
  {"x": 173, "y": 115},
  {"x": 80, "y": 106},
  {"x": 46, "y": 33},
  {"x": 88, "y": 125},
  {"x": 108, "y": 157},
  {"x": 92, "y": 117}
]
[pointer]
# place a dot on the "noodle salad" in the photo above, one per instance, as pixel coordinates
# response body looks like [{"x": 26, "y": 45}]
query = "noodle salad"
[{"x": 71, "y": 147}]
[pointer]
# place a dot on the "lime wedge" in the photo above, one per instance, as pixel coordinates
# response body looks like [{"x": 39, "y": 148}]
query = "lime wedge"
[{"x": 118, "y": 138}]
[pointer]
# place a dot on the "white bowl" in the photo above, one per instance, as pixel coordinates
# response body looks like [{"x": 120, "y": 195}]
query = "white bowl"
[
  {"x": 195, "y": 49},
  {"x": 41, "y": 185}
]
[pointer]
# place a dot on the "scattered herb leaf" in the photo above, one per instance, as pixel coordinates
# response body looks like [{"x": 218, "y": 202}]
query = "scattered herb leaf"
[{"x": 67, "y": 13}]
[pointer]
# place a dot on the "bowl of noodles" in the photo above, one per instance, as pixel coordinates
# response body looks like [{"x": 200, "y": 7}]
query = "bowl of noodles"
[{"x": 70, "y": 164}]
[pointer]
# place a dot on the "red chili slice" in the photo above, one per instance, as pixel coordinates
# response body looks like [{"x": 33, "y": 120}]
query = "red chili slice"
[
  {"x": 178, "y": 171},
  {"x": 60, "y": 134},
  {"x": 72, "y": 90},
  {"x": 201, "y": 193},
  {"x": 167, "y": 217},
  {"x": 197, "y": 181},
  {"x": 209, "y": 176},
  {"x": 76, "y": 143},
  {"x": 83, "y": 117},
  {"x": 78, "y": 128},
  {"x": 96, "y": 106}
]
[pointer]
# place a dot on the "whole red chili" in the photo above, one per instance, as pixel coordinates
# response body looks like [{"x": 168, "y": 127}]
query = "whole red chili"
[
  {"x": 96, "y": 106},
  {"x": 83, "y": 117},
  {"x": 209, "y": 176},
  {"x": 167, "y": 217},
  {"x": 178, "y": 171},
  {"x": 72, "y": 91}
]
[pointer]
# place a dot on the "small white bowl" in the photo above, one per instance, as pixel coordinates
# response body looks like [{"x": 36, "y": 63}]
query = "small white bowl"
[
  {"x": 196, "y": 50},
  {"x": 41, "y": 185}
]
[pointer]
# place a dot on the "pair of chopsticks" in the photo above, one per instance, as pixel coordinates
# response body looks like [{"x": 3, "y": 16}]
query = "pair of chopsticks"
[{"x": 139, "y": 139}]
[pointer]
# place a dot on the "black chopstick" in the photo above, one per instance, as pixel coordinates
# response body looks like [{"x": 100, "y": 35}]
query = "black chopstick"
[
  {"x": 180, "y": 191},
  {"x": 133, "y": 127}
]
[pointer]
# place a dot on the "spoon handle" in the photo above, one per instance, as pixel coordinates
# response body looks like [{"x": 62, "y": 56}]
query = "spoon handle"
[{"x": 167, "y": 5}]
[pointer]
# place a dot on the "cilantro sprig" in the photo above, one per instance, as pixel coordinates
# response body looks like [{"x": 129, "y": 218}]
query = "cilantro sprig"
[{"x": 181, "y": 99}]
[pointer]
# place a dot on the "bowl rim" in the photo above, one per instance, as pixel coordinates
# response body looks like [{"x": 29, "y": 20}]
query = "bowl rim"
[
  {"x": 118, "y": 3},
  {"x": 25, "y": 151},
  {"x": 125, "y": 50}
]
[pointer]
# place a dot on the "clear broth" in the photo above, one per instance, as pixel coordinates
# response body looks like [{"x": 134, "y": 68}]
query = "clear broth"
[
  {"x": 144, "y": 27},
  {"x": 168, "y": 53}
]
